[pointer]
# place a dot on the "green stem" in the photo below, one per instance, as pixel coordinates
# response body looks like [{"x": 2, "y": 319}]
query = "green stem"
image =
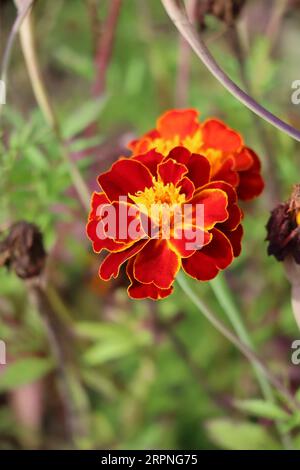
[
  {"x": 224, "y": 297},
  {"x": 240, "y": 345},
  {"x": 221, "y": 291}
]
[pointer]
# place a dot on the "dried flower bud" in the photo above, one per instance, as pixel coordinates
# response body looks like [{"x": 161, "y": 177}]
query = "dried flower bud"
[
  {"x": 23, "y": 250},
  {"x": 283, "y": 228},
  {"x": 224, "y": 10}
]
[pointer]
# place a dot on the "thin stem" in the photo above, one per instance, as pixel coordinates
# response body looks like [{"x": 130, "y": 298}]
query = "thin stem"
[
  {"x": 182, "y": 23},
  {"x": 223, "y": 295},
  {"x": 39, "y": 89},
  {"x": 241, "y": 346},
  {"x": 105, "y": 46}
]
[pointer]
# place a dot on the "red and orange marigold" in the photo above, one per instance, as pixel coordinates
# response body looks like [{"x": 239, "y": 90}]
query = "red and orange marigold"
[
  {"x": 230, "y": 159},
  {"x": 170, "y": 179}
]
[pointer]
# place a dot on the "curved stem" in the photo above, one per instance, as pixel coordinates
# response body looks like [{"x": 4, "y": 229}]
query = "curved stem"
[
  {"x": 241, "y": 346},
  {"x": 183, "y": 25}
]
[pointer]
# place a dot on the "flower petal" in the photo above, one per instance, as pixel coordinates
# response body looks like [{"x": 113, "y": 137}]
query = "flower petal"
[
  {"x": 151, "y": 160},
  {"x": 205, "y": 264},
  {"x": 186, "y": 187},
  {"x": 235, "y": 238},
  {"x": 137, "y": 290},
  {"x": 188, "y": 240},
  {"x": 125, "y": 176},
  {"x": 181, "y": 122},
  {"x": 110, "y": 267},
  {"x": 218, "y": 136},
  {"x": 199, "y": 170},
  {"x": 171, "y": 172},
  {"x": 92, "y": 228},
  {"x": 251, "y": 183},
  {"x": 180, "y": 155},
  {"x": 226, "y": 172},
  {"x": 157, "y": 263},
  {"x": 214, "y": 204}
]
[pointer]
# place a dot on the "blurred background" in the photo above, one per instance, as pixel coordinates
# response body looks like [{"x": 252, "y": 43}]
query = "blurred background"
[{"x": 106, "y": 371}]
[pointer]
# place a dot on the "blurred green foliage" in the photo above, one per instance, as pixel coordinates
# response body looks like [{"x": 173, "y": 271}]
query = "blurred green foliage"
[{"x": 138, "y": 389}]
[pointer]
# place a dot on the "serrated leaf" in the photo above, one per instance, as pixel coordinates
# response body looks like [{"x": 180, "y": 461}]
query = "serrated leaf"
[
  {"x": 233, "y": 435},
  {"x": 262, "y": 409},
  {"x": 24, "y": 371}
]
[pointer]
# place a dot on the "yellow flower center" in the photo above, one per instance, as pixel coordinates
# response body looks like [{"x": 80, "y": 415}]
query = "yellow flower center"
[
  {"x": 192, "y": 143},
  {"x": 159, "y": 194}
]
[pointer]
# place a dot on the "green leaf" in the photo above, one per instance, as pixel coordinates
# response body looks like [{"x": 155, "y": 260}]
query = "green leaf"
[
  {"x": 262, "y": 409},
  {"x": 232, "y": 435},
  {"x": 24, "y": 371},
  {"x": 107, "y": 351},
  {"x": 83, "y": 116}
]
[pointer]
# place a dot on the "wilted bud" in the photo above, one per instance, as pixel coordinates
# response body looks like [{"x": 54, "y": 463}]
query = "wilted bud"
[
  {"x": 283, "y": 228},
  {"x": 23, "y": 250},
  {"x": 224, "y": 10}
]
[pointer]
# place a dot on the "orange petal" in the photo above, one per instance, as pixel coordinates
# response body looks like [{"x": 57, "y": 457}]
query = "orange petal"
[
  {"x": 156, "y": 263},
  {"x": 217, "y": 135},
  {"x": 189, "y": 240},
  {"x": 227, "y": 172},
  {"x": 125, "y": 176},
  {"x": 186, "y": 187},
  {"x": 181, "y": 122},
  {"x": 205, "y": 264}
]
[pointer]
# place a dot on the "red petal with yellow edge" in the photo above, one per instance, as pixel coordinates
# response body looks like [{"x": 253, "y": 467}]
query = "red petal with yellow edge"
[
  {"x": 137, "y": 290},
  {"x": 218, "y": 136},
  {"x": 189, "y": 240},
  {"x": 170, "y": 171},
  {"x": 235, "y": 213},
  {"x": 251, "y": 182},
  {"x": 205, "y": 264},
  {"x": 214, "y": 203},
  {"x": 127, "y": 224},
  {"x": 126, "y": 176},
  {"x": 178, "y": 122},
  {"x": 151, "y": 160},
  {"x": 235, "y": 238},
  {"x": 227, "y": 173},
  {"x": 156, "y": 263},
  {"x": 99, "y": 199},
  {"x": 199, "y": 170},
  {"x": 186, "y": 187},
  {"x": 180, "y": 155},
  {"x": 110, "y": 267}
]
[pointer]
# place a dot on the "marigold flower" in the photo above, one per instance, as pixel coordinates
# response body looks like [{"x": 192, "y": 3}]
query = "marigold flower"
[
  {"x": 176, "y": 183},
  {"x": 230, "y": 159}
]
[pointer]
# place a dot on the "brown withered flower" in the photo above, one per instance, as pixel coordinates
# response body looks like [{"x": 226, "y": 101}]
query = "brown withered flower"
[
  {"x": 225, "y": 10},
  {"x": 23, "y": 250},
  {"x": 283, "y": 228}
]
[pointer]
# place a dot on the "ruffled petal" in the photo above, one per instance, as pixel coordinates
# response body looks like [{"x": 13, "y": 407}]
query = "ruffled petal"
[
  {"x": 94, "y": 227},
  {"x": 157, "y": 263},
  {"x": 218, "y": 136},
  {"x": 180, "y": 155},
  {"x": 251, "y": 183},
  {"x": 170, "y": 171},
  {"x": 205, "y": 264},
  {"x": 235, "y": 238},
  {"x": 181, "y": 122},
  {"x": 226, "y": 172},
  {"x": 125, "y": 176},
  {"x": 137, "y": 290},
  {"x": 186, "y": 241},
  {"x": 213, "y": 203},
  {"x": 199, "y": 170},
  {"x": 110, "y": 267},
  {"x": 186, "y": 187},
  {"x": 151, "y": 160},
  {"x": 142, "y": 145}
]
